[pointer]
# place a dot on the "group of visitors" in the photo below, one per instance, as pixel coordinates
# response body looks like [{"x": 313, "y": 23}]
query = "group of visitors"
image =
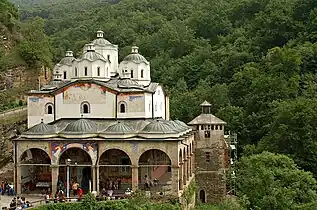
[
  {"x": 149, "y": 183},
  {"x": 7, "y": 188},
  {"x": 19, "y": 203}
]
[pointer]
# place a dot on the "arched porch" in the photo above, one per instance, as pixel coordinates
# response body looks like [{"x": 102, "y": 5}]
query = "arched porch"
[
  {"x": 80, "y": 169},
  {"x": 34, "y": 172},
  {"x": 155, "y": 171}
]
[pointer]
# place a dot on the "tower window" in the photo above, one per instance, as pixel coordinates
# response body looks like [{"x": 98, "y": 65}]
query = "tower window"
[
  {"x": 131, "y": 73},
  {"x": 49, "y": 108},
  {"x": 142, "y": 73},
  {"x": 98, "y": 71},
  {"x": 207, "y": 157},
  {"x": 207, "y": 134},
  {"x": 108, "y": 57},
  {"x": 220, "y": 127},
  {"x": 123, "y": 107},
  {"x": 202, "y": 127},
  {"x": 86, "y": 71},
  {"x": 85, "y": 108},
  {"x": 76, "y": 73},
  {"x": 65, "y": 75},
  {"x": 216, "y": 127}
]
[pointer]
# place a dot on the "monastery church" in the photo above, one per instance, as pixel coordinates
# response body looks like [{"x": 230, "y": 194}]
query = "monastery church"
[{"x": 112, "y": 124}]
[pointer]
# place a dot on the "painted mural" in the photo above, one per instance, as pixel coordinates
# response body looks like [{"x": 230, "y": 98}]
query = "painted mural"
[
  {"x": 78, "y": 93},
  {"x": 58, "y": 148},
  {"x": 135, "y": 102}
]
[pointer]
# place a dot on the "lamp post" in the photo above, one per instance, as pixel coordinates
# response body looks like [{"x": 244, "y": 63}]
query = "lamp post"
[{"x": 68, "y": 161}]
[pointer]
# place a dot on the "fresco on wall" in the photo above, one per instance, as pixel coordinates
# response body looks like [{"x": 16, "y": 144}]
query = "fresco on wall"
[
  {"x": 135, "y": 103},
  {"x": 58, "y": 148},
  {"x": 78, "y": 93}
]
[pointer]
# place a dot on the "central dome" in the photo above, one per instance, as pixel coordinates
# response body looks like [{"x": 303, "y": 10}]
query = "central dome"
[
  {"x": 100, "y": 40},
  {"x": 81, "y": 126}
]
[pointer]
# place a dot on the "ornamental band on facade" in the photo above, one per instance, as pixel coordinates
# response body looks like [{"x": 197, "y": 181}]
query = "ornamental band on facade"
[{"x": 113, "y": 123}]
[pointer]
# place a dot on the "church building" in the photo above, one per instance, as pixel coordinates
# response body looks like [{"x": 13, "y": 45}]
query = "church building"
[{"x": 106, "y": 121}]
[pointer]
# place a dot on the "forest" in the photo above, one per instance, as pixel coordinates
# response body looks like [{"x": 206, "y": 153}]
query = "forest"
[{"x": 255, "y": 61}]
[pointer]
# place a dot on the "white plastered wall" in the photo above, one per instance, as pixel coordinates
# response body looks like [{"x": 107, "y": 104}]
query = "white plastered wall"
[
  {"x": 148, "y": 105},
  {"x": 159, "y": 102},
  {"x": 36, "y": 109}
]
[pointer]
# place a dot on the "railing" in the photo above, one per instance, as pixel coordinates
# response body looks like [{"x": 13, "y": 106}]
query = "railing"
[{"x": 13, "y": 111}]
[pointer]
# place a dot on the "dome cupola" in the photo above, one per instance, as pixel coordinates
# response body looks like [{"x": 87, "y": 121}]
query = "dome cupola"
[
  {"x": 101, "y": 41},
  {"x": 68, "y": 59},
  {"x": 135, "y": 56}
]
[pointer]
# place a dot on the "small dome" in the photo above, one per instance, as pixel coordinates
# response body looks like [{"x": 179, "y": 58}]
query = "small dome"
[
  {"x": 101, "y": 42},
  {"x": 92, "y": 56},
  {"x": 139, "y": 124},
  {"x": 159, "y": 126},
  {"x": 127, "y": 82},
  {"x": 176, "y": 126},
  {"x": 135, "y": 56},
  {"x": 119, "y": 127},
  {"x": 42, "y": 128},
  {"x": 67, "y": 61},
  {"x": 81, "y": 126},
  {"x": 182, "y": 124}
]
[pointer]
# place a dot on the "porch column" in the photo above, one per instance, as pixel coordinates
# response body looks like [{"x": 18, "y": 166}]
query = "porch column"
[
  {"x": 185, "y": 171},
  {"x": 181, "y": 175},
  {"x": 94, "y": 178},
  {"x": 98, "y": 180},
  {"x": 175, "y": 179},
  {"x": 135, "y": 177},
  {"x": 18, "y": 180},
  {"x": 192, "y": 163},
  {"x": 55, "y": 173},
  {"x": 188, "y": 168}
]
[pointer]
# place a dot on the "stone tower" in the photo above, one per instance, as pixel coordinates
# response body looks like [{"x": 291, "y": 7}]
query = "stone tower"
[{"x": 211, "y": 155}]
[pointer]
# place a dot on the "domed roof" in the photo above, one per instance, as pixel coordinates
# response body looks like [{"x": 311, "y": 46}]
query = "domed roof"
[
  {"x": 67, "y": 61},
  {"x": 127, "y": 82},
  {"x": 177, "y": 126},
  {"x": 119, "y": 127},
  {"x": 159, "y": 126},
  {"x": 92, "y": 56},
  {"x": 139, "y": 124},
  {"x": 42, "y": 128},
  {"x": 101, "y": 42},
  {"x": 135, "y": 56},
  {"x": 81, "y": 126},
  {"x": 182, "y": 124}
]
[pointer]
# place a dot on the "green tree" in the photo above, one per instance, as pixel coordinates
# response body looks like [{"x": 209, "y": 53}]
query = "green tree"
[{"x": 274, "y": 182}]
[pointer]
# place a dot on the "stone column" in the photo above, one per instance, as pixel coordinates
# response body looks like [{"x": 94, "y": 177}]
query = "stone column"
[
  {"x": 55, "y": 173},
  {"x": 135, "y": 177},
  {"x": 181, "y": 176},
  {"x": 185, "y": 171},
  {"x": 98, "y": 179},
  {"x": 94, "y": 178},
  {"x": 175, "y": 179},
  {"x": 18, "y": 180},
  {"x": 188, "y": 168}
]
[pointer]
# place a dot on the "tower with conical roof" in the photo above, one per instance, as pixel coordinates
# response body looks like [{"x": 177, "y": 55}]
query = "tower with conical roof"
[{"x": 211, "y": 156}]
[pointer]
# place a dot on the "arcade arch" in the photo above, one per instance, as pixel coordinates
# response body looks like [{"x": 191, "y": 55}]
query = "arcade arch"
[
  {"x": 35, "y": 171},
  {"x": 80, "y": 168},
  {"x": 115, "y": 170},
  {"x": 155, "y": 171}
]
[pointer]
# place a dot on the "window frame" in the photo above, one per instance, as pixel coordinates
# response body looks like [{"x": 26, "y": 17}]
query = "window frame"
[{"x": 82, "y": 107}]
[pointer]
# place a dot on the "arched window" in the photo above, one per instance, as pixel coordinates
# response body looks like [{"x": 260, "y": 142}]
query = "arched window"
[
  {"x": 98, "y": 71},
  {"x": 131, "y": 73},
  {"x": 76, "y": 73},
  {"x": 108, "y": 57},
  {"x": 86, "y": 71},
  {"x": 49, "y": 108},
  {"x": 85, "y": 108},
  {"x": 65, "y": 75},
  {"x": 142, "y": 73},
  {"x": 202, "y": 196},
  {"x": 122, "y": 107}
]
